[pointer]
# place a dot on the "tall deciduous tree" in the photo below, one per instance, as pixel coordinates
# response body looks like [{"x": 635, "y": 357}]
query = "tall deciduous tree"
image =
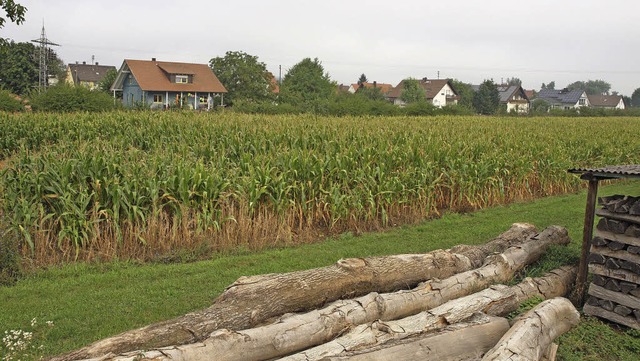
[
  {"x": 591, "y": 87},
  {"x": 14, "y": 11},
  {"x": 551, "y": 85},
  {"x": 635, "y": 98},
  {"x": 306, "y": 83},
  {"x": 18, "y": 67},
  {"x": 412, "y": 92},
  {"x": 514, "y": 81},
  {"x": 465, "y": 92},
  {"x": 487, "y": 98},
  {"x": 244, "y": 77}
]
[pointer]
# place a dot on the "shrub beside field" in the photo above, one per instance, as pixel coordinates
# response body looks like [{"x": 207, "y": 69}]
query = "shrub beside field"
[{"x": 145, "y": 185}]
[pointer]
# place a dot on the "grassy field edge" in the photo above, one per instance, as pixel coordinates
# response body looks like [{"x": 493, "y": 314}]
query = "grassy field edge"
[{"x": 90, "y": 302}]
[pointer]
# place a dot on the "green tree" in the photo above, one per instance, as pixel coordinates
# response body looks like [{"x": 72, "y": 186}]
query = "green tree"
[
  {"x": 306, "y": 84},
  {"x": 514, "y": 81},
  {"x": 371, "y": 93},
  {"x": 635, "y": 98},
  {"x": 551, "y": 85},
  {"x": 539, "y": 106},
  {"x": 591, "y": 87},
  {"x": 362, "y": 79},
  {"x": 487, "y": 99},
  {"x": 412, "y": 92},
  {"x": 14, "y": 11},
  {"x": 18, "y": 67},
  {"x": 107, "y": 81},
  {"x": 244, "y": 77},
  {"x": 465, "y": 92}
]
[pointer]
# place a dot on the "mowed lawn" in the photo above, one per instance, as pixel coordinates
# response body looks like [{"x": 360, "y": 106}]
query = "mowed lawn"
[{"x": 90, "y": 302}]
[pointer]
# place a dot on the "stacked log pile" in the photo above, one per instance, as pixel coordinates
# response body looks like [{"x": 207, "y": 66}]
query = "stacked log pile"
[
  {"x": 614, "y": 262},
  {"x": 378, "y": 308}
]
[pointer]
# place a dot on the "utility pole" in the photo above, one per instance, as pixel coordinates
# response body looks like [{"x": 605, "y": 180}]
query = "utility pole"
[{"x": 43, "y": 74}]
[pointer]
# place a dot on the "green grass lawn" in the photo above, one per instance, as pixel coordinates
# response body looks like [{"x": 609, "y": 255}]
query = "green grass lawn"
[{"x": 90, "y": 302}]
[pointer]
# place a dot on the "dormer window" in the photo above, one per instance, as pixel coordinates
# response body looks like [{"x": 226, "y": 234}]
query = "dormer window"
[{"x": 182, "y": 79}]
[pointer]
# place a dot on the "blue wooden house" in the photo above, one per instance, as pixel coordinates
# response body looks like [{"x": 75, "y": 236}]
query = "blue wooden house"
[{"x": 160, "y": 84}]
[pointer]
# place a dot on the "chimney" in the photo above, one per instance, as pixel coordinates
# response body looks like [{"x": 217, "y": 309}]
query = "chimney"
[
  {"x": 76, "y": 62},
  {"x": 97, "y": 63},
  {"x": 375, "y": 83},
  {"x": 84, "y": 63},
  {"x": 153, "y": 59}
]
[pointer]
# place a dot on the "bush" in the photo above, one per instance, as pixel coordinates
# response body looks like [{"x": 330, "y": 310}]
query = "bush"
[
  {"x": 66, "y": 98},
  {"x": 10, "y": 102},
  {"x": 420, "y": 108}
]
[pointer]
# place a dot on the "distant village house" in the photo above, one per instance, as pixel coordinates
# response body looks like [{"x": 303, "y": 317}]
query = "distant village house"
[
  {"x": 607, "y": 101},
  {"x": 87, "y": 75},
  {"x": 439, "y": 92},
  {"x": 564, "y": 98},
  {"x": 161, "y": 84}
]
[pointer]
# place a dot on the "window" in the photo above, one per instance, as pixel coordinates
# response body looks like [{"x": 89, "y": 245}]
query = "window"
[
  {"x": 182, "y": 79},
  {"x": 157, "y": 98},
  {"x": 581, "y": 101}
]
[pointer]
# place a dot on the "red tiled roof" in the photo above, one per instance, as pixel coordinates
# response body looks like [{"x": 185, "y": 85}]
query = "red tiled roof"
[
  {"x": 154, "y": 76},
  {"x": 384, "y": 88}
]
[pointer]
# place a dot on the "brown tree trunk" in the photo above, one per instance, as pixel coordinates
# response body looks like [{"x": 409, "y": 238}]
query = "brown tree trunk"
[
  {"x": 300, "y": 331},
  {"x": 532, "y": 335},
  {"x": 251, "y": 301}
]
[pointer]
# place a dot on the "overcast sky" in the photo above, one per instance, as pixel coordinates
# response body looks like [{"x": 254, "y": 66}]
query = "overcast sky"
[{"x": 470, "y": 40}]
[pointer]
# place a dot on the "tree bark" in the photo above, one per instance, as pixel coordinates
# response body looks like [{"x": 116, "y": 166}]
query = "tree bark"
[
  {"x": 497, "y": 300},
  {"x": 462, "y": 341},
  {"x": 297, "y": 332},
  {"x": 531, "y": 336},
  {"x": 253, "y": 300}
]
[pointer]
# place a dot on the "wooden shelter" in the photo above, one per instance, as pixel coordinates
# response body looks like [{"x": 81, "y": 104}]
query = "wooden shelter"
[{"x": 613, "y": 255}]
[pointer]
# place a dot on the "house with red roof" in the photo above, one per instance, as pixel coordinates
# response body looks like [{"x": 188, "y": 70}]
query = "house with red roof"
[
  {"x": 384, "y": 88},
  {"x": 439, "y": 92},
  {"x": 162, "y": 84}
]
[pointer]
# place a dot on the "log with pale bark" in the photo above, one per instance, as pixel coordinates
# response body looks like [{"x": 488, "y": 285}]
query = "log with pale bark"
[
  {"x": 496, "y": 300},
  {"x": 532, "y": 335},
  {"x": 294, "y": 333},
  {"x": 253, "y": 300},
  {"x": 462, "y": 341},
  {"x": 261, "y": 343}
]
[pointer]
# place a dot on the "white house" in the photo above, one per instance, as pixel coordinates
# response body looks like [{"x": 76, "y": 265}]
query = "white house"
[
  {"x": 607, "y": 101},
  {"x": 439, "y": 92}
]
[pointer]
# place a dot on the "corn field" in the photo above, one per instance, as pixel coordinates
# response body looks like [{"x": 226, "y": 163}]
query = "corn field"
[{"x": 148, "y": 185}]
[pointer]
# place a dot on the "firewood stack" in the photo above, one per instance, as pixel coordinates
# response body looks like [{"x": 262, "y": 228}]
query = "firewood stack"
[{"x": 614, "y": 262}]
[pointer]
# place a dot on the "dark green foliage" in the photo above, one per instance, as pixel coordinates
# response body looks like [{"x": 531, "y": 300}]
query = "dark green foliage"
[
  {"x": 420, "y": 108},
  {"x": 465, "y": 92},
  {"x": 635, "y": 98},
  {"x": 513, "y": 81},
  {"x": 487, "y": 99},
  {"x": 591, "y": 87},
  {"x": 539, "y": 107},
  {"x": 108, "y": 80},
  {"x": 9, "y": 103},
  {"x": 244, "y": 77},
  {"x": 18, "y": 67},
  {"x": 14, "y": 11},
  {"x": 362, "y": 79},
  {"x": 306, "y": 85},
  {"x": 551, "y": 85},
  {"x": 65, "y": 98},
  {"x": 412, "y": 92},
  {"x": 371, "y": 93}
]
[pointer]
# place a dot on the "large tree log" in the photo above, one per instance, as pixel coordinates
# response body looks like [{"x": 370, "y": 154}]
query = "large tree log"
[
  {"x": 531, "y": 336},
  {"x": 294, "y": 333},
  {"x": 496, "y": 300},
  {"x": 251, "y": 301},
  {"x": 461, "y": 341}
]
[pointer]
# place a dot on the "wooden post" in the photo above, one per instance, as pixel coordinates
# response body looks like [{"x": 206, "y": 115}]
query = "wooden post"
[{"x": 587, "y": 234}]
